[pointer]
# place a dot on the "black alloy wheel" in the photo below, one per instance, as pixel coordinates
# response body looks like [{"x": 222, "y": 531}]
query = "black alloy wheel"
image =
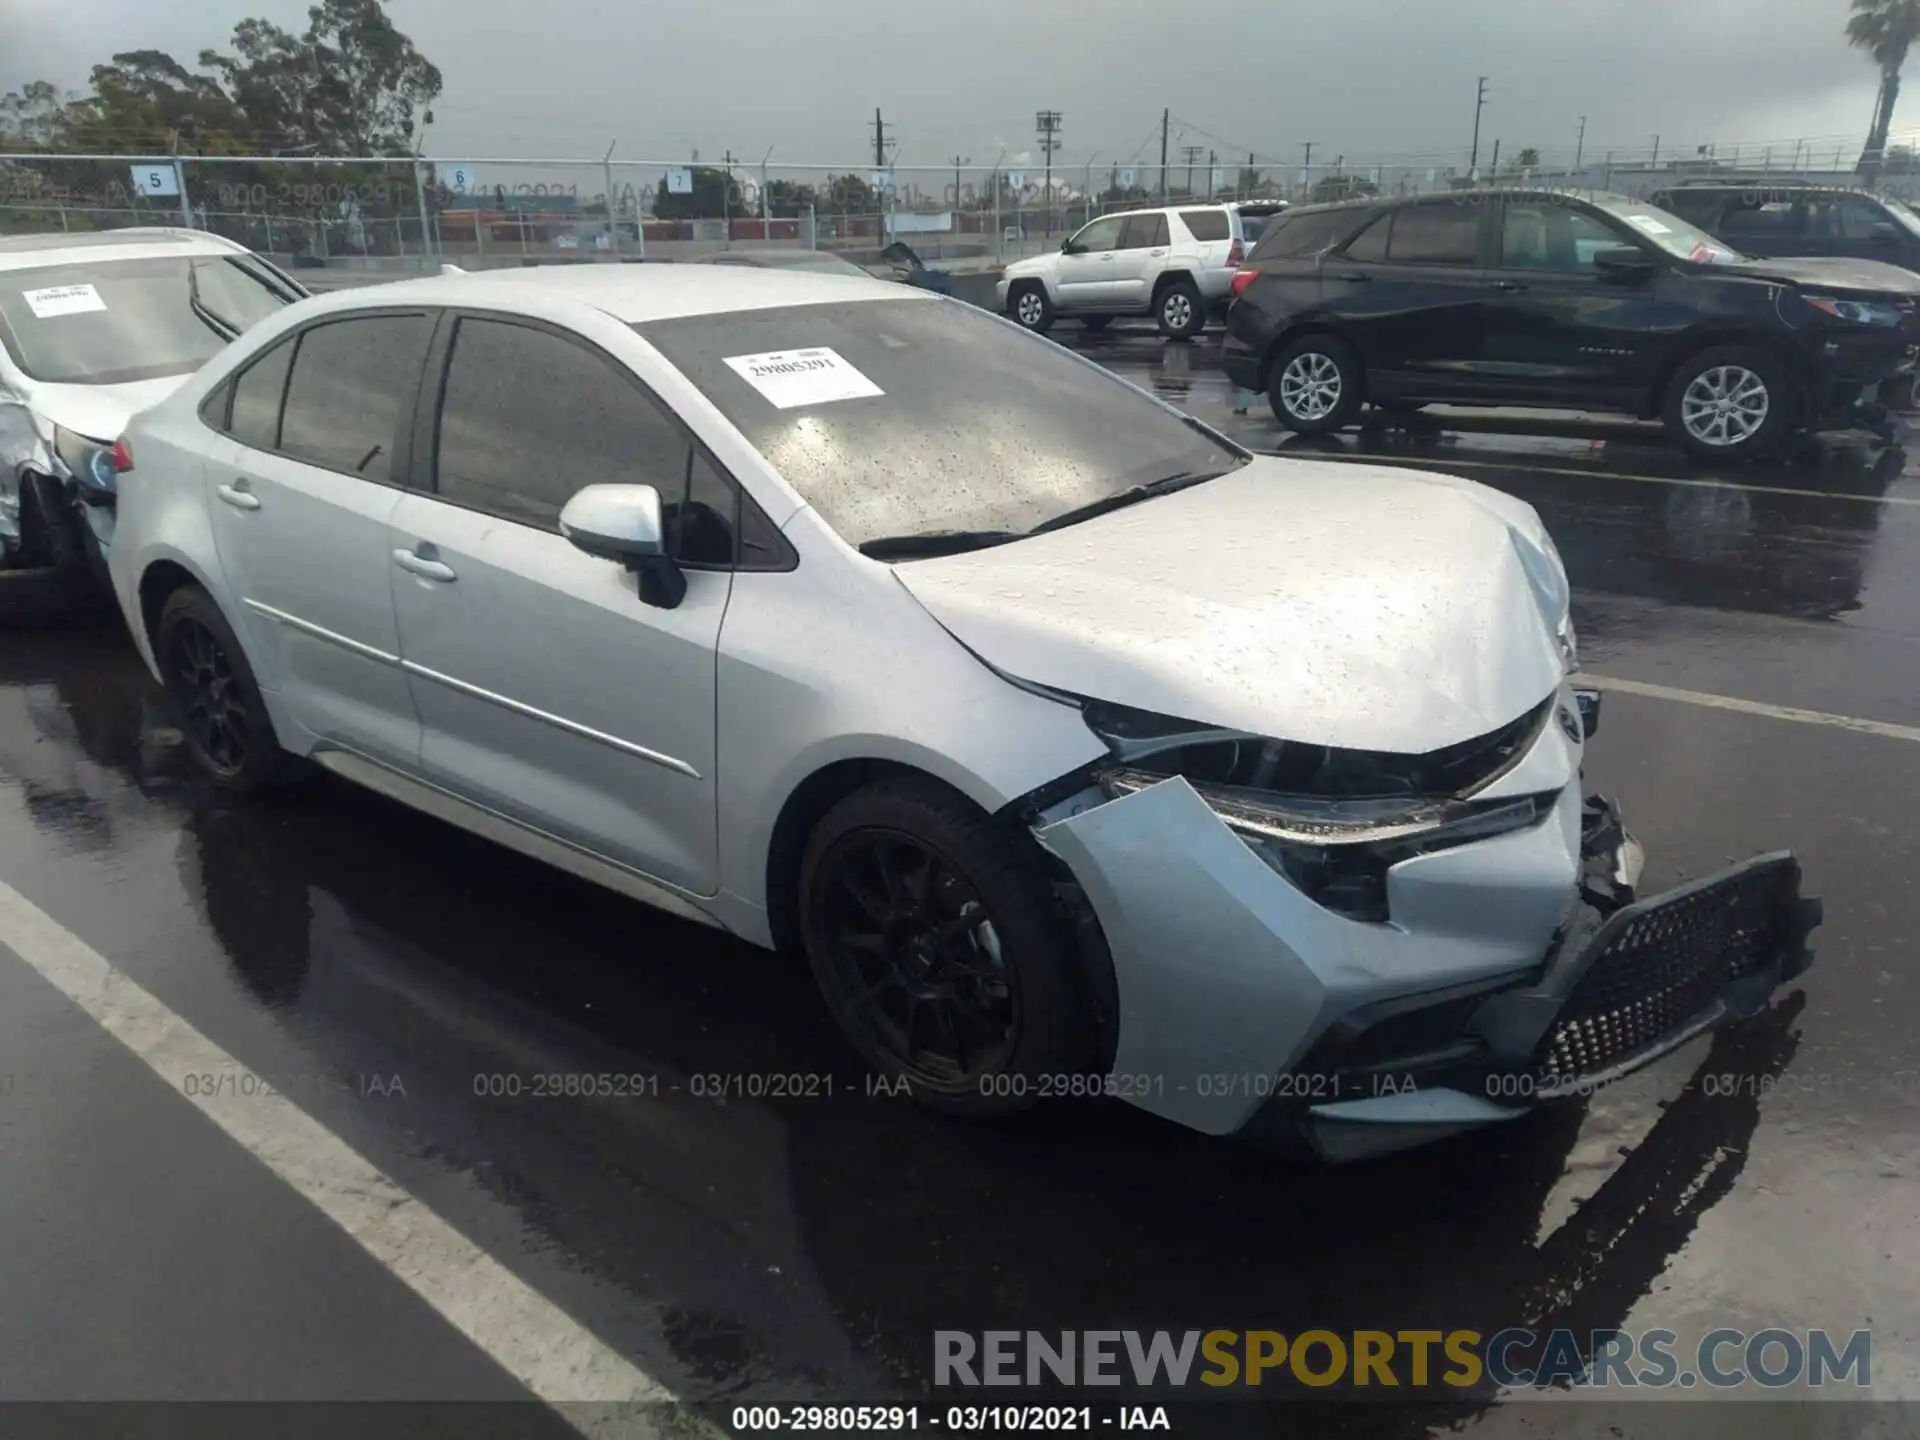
[
  {"x": 211, "y": 708},
  {"x": 916, "y": 960}
]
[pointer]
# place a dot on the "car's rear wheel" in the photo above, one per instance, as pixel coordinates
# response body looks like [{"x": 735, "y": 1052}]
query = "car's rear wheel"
[
  {"x": 1316, "y": 384},
  {"x": 215, "y": 696},
  {"x": 938, "y": 948},
  {"x": 1029, "y": 308},
  {"x": 1178, "y": 311},
  {"x": 1729, "y": 402}
]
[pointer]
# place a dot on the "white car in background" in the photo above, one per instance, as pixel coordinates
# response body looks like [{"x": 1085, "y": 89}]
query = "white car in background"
[
  {"x": 94, "y": 328},
  {"x": 1079, "y": 750},
  {"x": 1174, "y": 263}
]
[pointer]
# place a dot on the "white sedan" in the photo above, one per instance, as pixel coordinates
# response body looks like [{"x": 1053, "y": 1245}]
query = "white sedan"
[{"x": 1077, "y": 749}]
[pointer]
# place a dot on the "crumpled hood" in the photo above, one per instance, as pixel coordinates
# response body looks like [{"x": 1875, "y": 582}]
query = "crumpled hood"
[
  {"x": 101, "y": 412},
  {"x": 1875, "y": 277},
  {"x": 1321, "y": 602}
]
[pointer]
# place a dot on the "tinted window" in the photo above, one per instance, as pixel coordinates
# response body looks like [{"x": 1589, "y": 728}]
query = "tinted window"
[
  {"x": 1698, "y": 208},
  {"x": 930, "y": 417},
  {"x": 1305, "y": 233},
  {"x": 1205, "y": 224},
  {"x": 529, "y": 417},
  {"x": 1774, "y": 220},
  {"x": 1442, "y": 234},
  {"x": 350, "y": 380},
  {"x": 1552, "y": 237},
  {"x": 1370, "y": 243},
  {"x": 1144, "y": 232},
  {"x": 255, "y": 419},
  {"x": 1102, "y": 234},
  {"x": 110, "y": 322},
  {"x": 1847, "y": 219}
]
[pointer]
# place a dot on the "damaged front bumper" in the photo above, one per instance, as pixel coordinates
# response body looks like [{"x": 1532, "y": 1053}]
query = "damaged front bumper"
[{"x": 1513, "y": 971}]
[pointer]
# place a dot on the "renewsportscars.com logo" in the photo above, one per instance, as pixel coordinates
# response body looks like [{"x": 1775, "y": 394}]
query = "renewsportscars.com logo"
[{"x": 1390, "y": 1359}]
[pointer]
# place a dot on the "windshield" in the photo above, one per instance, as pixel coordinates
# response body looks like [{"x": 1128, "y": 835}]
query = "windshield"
[
  {"x": 907, "y": 417},
  {"x": 1903, "y": 213},
  {"x": 1672, "y": 234},
  {"x": 112, "y": 322}
]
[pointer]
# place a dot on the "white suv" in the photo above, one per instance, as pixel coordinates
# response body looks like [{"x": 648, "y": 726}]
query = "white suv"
[{"x": 1175, "y": 264}]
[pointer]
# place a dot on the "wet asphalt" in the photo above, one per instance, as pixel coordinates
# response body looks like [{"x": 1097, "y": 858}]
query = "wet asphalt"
[{"x": 378, "y": 966}]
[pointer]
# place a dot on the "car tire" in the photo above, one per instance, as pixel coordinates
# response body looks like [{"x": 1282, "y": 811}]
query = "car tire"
[
  {"x": 1095, "y": 322},
  {"x": 1178, "y": 312},
  {"x": 214, "y": 696},
  {"x": 886, "y": 876},
  {"x": 1740, "y": 376},
  {"x": 1029, "y": 308},
  {"x": 1316, "y": 385}
]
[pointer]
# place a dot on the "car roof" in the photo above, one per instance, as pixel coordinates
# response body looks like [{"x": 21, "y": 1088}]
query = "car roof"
[
  {"x": 18, "y": 252},
  {"x": 634, "y": 294},
  {"x": 1766, "y": 189},
  {"x": 768, "y": 256}
]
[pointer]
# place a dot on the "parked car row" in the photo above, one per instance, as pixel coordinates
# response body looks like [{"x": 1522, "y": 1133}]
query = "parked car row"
[
  {"x": 651, "y": 573},
  {"x": 1587, "y": 302}
]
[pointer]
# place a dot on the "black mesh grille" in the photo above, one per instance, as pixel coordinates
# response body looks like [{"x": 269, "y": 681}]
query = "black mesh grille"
[{"x": 1661, "y": 967}]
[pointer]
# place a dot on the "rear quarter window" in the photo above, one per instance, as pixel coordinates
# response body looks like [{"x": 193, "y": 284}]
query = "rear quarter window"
[
  {"x": 1296, "y": 234},
  {"x": 1206, "y": 224}
]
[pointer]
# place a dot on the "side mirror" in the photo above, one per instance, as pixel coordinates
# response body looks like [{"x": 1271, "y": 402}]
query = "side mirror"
[
  {"x": 623, "y": 523},
  {"x": 1067, "y": 247},
  {"x": 1623, "y": 262}
]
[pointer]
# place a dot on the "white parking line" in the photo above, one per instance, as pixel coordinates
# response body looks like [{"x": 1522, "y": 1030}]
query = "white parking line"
[
  {"x": 1436, "y": 462},
  {"x": 542, "y": 1347},
  {"x": 1883, "y": 728}
]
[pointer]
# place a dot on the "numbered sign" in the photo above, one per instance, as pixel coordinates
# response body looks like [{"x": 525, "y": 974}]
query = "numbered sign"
[
  {"x": 680, "y": 181},
  {"x": 461, "y": 179},
  {"x": 1126, "y": 179},
  {"x": 883, "y": 179},
  {"x": 1016, "y": 180},
  {"x": 156, "y": 180}
]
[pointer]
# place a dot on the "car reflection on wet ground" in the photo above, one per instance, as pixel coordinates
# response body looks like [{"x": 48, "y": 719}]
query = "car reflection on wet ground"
[{"x": 742, "y": 1248}]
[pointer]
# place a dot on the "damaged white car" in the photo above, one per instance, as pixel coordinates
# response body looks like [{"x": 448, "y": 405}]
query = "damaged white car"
[
  {"x": 1079, "y": 750},
  {"x": 94, "y": 328}
]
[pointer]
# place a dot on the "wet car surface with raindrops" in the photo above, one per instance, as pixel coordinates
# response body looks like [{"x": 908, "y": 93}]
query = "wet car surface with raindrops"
[{"x": 744, "y": 1219}]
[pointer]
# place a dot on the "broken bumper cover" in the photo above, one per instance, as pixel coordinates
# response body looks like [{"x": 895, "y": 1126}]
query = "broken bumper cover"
[{"x": 1517, "y": 970}]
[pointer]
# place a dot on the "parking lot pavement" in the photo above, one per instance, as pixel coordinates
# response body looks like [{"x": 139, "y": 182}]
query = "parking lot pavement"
[{"x": 403, "y": 987}]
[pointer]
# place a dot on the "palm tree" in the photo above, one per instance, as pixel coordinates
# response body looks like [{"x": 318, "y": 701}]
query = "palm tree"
[{"x": 1885, "y": 29}]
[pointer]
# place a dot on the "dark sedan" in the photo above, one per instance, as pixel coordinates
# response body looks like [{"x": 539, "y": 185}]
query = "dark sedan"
[{"x": 1590, "y": 302}]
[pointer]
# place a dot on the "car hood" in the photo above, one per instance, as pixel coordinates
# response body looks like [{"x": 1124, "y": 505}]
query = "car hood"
[
  {"x": 1032, "y": 265},
  {"x": 1330, "y": 604},
  {"x": 101, "y": 412},
  {"x": 1817, "y": 272}
]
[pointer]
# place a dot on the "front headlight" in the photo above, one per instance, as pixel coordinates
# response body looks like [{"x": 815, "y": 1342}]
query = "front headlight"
[
  {"x": 1858, "y": 312},
  {"x": 89, "y": 462}
]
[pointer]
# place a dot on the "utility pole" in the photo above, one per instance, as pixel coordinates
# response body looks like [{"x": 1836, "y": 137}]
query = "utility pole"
[
  {"x": 1047, "y": 124},
  {"x": 1306, "y": 170},
  {"x": 1495, "y": 167},
  {"x": 958, "y": 161},
  {"x": 1656, "y": 153},
  {"x": 1479, "y": 104},
  {"x": 1192, "y": 153},
  {"x": 1580, "y": 145},
  {"x": 1213, "y": 162},
  {"x": 726, "y": 200},
  {"x": 1164, "y": 115},
  {"x": 879, "y": 140}
]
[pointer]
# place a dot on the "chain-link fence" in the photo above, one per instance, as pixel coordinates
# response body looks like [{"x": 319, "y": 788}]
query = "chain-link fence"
[{"x": 390, "y": 214}]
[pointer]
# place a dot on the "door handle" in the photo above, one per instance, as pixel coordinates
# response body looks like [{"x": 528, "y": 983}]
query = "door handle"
[
  {"x": 239, "y": 496},
  {"x": 1156, "y": 253},
  {"x": 1509, "y": 286},
  {"x": 1356, "y": 277},
  {"x": 425, "y": 566}
]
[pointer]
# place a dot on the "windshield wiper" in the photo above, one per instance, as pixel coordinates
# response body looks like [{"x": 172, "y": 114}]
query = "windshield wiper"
[
  {"x": 1132, "y": 495},
  {"x": 934, "y": 542},
  {"x": 224, "y": 329}
]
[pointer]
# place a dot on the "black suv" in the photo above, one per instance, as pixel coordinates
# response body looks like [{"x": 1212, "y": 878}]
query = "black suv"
[
  {"x": 1765, "y": 218},
  {"x": 1592, "y": 302}
]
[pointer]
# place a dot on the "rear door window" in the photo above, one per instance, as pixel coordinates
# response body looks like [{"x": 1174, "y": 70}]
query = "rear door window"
[
  {"x": 257, "y": 393},
  {"x": 351, "y": 381},
  {"x": 1206, "y": 224},
  {"x": 1443, "y": 233},
  {"x": 1144, "y": 232}
]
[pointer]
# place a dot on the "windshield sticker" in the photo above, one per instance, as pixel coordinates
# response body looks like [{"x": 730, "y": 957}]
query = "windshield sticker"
[
  {"x": 1648, "y": 224},
  {"x": 791, "y": 378},
  {"x": 63, "y": 300}
]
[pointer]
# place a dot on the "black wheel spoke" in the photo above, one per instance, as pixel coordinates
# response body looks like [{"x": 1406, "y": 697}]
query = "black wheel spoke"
[{"x": 208, "y": 695}]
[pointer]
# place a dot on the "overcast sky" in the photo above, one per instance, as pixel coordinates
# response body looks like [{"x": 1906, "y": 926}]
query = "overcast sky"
[{"x": 1364, "y": 78}]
